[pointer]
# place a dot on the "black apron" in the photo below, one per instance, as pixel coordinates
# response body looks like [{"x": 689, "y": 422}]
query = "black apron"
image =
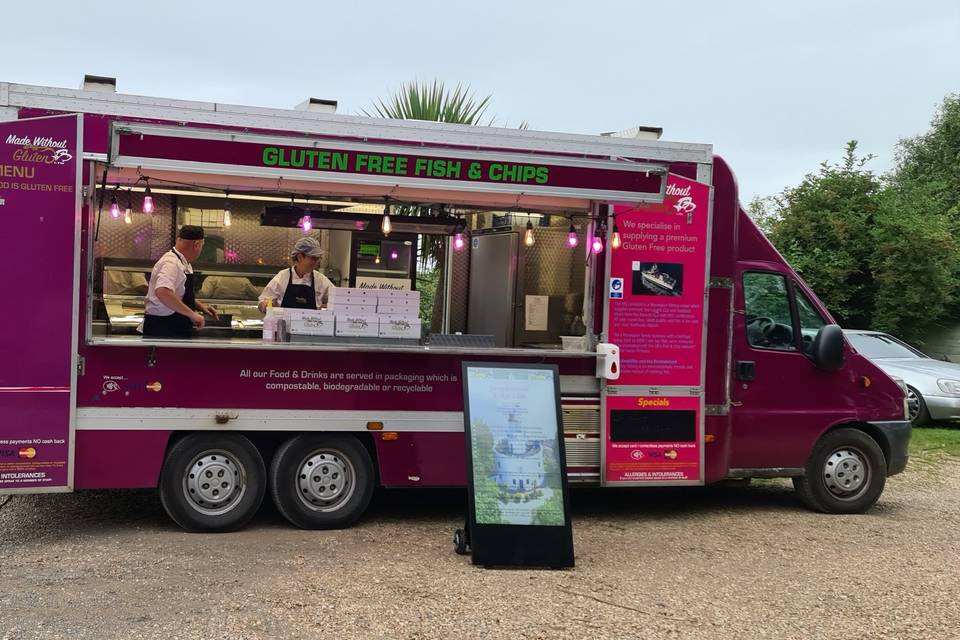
[
  {"x": 299, "y": 296},
  {"x": 175, "y": 325}
]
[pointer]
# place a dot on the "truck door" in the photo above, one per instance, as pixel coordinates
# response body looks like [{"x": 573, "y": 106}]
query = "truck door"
[
  {"x": 40, "y": 178},
  {"x": 653, "y": 415},
  {"x": 781, "y": 401}
]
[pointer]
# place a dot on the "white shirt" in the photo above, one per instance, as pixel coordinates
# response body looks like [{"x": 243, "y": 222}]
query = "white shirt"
[
  {"x": 276, "y": 287},
  {"x": 170, "y": 272}
]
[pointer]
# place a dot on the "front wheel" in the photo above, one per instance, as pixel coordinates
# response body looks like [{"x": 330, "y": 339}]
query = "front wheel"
[
  {"x": 322, "y": 481},
  {"x": 212, "y": 482},
  {"x": 846, "y": 473},
  {"x": 919, "y": 415}
]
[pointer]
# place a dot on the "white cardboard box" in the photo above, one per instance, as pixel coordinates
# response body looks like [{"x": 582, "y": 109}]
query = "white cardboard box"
[
  {"x": 355, "y": 309},
  {"x": 398, "y": 310},
  {"x": 357, "y": 325},
  {"x": 348, "y": 299},
  {"x": 342, "y": 293},
  {"x": 313, "y": 326},
  {"x": 400, "y": 327},
  {"x": 393, "y": 294}
]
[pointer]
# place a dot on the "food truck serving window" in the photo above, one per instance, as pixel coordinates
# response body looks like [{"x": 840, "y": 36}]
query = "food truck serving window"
[{"x": 477, "y": 279}]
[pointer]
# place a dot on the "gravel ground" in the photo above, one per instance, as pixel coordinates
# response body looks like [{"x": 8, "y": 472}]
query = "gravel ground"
[{"x": 732, "y": 562}]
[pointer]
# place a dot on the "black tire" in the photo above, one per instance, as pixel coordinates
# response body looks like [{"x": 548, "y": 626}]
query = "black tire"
[
  {"x": 231, "y": 493},
  {"x": 337, "y": 495},
  {"x": 460, "y": 542},
  {"x": 922, "y": 415},
  {"x": 846, "y": 473}
]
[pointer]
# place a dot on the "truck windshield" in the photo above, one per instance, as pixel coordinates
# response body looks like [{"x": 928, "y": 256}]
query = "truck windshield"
[{"x": 879, "y": 345}]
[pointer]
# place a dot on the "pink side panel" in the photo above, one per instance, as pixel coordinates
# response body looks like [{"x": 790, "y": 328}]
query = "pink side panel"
[
  {"x": 119, "y": 459},
  {"x": 422, "y": 460}
]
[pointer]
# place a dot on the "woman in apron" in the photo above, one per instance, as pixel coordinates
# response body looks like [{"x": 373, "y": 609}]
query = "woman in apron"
[{"x": 300, "y": 286}]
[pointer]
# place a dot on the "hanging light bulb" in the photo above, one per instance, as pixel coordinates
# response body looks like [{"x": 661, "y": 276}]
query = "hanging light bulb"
[
  {"x": 307, "y": 223},
  {"x": 127, "y": 218},
  {"x": 458, "y": 241},
  {"x": 377, "y": 259},
  {"x": 528, "y": 235},
  {"x": 114, "y": 207},
  {"x": 147, "y": 198},
  {"x": 227, "y": 216},
  {"x": 597, "y": 245},
  {"x": 385, "y": 226},
  {"x": 572, "y": 239},
  {"x": 128, "y": 212},
  {"x": 615, "y": 238},
  {"x": 394, "y": 255}
]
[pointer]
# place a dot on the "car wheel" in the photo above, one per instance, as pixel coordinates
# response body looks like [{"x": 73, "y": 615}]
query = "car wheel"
[
  {"x": 321, "y": 481},
  {"x": 212, "y": 482},
  {"x": 846, "y": 473},
  {"x": 917, "y": 408}
]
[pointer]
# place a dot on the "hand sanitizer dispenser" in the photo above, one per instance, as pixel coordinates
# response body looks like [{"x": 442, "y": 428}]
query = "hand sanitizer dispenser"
[{"x": 608, "y": 361}]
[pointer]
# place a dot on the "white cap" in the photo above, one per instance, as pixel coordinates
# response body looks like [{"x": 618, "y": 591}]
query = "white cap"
[{"x": 308, "y": 246}]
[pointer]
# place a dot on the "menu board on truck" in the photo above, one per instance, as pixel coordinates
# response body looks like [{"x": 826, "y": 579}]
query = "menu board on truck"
[
  {"x": 656, "y": 315},
  {"x": 39, "y": 204},
  {"x": 518, "y": 506}
]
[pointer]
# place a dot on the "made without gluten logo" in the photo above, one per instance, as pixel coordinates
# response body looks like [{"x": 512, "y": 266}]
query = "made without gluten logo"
[{"x": 40, "y": 149}]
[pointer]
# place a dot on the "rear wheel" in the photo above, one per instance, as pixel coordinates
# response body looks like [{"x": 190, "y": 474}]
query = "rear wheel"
[
  {"x": 322, "y": 481},
  {"x": 212, "y": 482},
  {"x": 846, "y": 473}
]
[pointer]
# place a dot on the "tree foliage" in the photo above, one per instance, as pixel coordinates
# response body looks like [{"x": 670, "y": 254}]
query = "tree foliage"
[{"x": 879, "y": 250}]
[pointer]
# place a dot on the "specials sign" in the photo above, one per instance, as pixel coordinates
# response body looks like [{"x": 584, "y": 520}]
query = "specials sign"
[{"x": 387, "y": 164}]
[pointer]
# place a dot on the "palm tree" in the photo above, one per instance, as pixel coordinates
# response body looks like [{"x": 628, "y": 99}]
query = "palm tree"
[{"x": 433, "y": 102}]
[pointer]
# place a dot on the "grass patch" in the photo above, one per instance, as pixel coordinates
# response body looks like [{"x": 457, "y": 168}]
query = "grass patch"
[{"x": 932, "y": 444}]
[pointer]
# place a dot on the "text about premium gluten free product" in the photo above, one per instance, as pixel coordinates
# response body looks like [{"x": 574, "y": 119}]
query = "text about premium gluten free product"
[{"x": 347, "y": 381}]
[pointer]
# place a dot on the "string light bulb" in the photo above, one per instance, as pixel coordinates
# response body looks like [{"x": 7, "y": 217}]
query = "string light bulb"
[
  {"x": 528, "y": 235},
  {"x": 597, "y": 245},
  {"x": 128, "y": 212},
  {"x": 572, "y": 239},
  {"x": 394, "y": 255},
  {"x": 615, "y": 238},
  {"x": 377, "y": 259},
  {"x": 307, "y": 223},
  {"x": 385, "y": 226},
  {"x": 127, "y": 218},
  {"x": 458, "y": 241},
  {"x": 114, "y": 207},
  {"x": 227, "y": 216},
  {"x": 147, "y": 198}
]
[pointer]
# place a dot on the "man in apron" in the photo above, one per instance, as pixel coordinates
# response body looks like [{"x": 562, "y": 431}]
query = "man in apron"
[
  {"x": 171, "y": 307},
  {"x": 301, "y": 286}
]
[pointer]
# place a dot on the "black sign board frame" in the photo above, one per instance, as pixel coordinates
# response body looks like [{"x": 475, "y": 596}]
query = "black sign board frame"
[{"x": 528, "y": 545}]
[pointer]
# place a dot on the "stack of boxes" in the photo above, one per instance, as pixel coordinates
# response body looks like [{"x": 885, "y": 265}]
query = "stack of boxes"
[{"x": 352, "y": 313}]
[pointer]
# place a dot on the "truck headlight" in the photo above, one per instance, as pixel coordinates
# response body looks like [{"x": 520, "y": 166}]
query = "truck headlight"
[
  {"x": 906, "y": 403},
  {"x": 949, "y": 387},
  {"x": 900, "y": 383}
]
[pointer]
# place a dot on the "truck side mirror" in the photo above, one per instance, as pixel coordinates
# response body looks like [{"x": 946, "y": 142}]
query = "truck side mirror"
[{"x": 827, "y": 348}]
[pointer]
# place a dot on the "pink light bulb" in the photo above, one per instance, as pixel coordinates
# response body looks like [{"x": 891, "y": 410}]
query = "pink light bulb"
[
  {"x": 572, "y": 239},
  {"x": 148, "y": 203},
  {"x": 307, "y": 224},
  {"x": 394, "y": 255},
  {"x": 597, "y": 244},
  {"x": 114, "y": 209},
  {"x": 458, "y": 241}
]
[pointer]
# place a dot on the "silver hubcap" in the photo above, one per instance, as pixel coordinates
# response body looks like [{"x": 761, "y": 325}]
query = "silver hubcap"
[
  {"x": 846, "y": 473},
  {"x": 214, "y": 482},
  {"x": 325, "y": 480},
  {"x": 913, "y": 404}
]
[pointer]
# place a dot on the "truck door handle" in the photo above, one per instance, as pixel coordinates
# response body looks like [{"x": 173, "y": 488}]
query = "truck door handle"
[{"x": 746, "y": 370}]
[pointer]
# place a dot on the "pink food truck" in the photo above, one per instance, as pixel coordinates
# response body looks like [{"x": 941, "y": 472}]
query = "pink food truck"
[{"x": 689, "y": 351}]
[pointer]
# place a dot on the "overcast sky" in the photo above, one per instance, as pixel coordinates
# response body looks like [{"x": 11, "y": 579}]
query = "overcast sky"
[{"x": 776, "y": 87}]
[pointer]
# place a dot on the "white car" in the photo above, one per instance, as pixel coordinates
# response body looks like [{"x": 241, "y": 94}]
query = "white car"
[{"x": 933, "y": 386}]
